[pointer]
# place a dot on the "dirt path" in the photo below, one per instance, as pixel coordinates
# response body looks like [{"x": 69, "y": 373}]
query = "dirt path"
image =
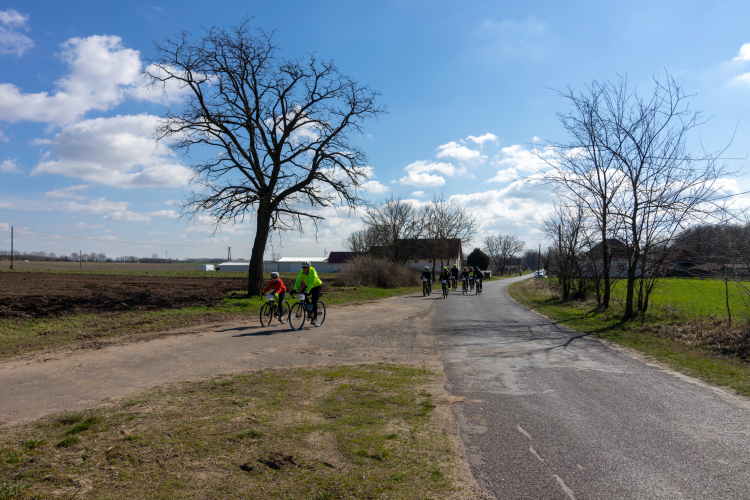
[{"x": 391, "y": 330}]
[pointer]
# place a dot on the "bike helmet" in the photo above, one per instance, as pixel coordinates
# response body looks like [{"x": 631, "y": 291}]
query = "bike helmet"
[
  {"x": 274, "y": 274},
  {"x": 306, "y": 264}
]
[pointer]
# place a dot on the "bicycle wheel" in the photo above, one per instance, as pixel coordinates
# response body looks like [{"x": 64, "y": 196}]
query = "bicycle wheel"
[
  {"x": 321, "y": 314},
  {"x": 297, "y": 316},
  {"x": 266, "y": 314},
  {"x": 284, "y": 313},
  {"x": 424, "y": 289}
]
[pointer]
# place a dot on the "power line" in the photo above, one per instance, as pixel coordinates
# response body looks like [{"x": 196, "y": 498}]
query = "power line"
[{"x": 107, "y": 240}]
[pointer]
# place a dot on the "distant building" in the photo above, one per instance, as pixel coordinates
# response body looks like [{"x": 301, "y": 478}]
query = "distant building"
[
  {"x": 334, "y": 262},
  {"x": 421, "y": 252}
]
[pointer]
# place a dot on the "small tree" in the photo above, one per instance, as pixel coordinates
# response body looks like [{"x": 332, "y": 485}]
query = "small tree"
[
  {"x": 478, "y": 258},
  {"x": 502, "y": 248},
  {"x": 274, "y": 134},
  {"x": 395, "y": 224}
]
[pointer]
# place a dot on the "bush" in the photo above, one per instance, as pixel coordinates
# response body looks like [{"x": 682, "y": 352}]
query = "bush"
[{"x": 364, "y": 270}]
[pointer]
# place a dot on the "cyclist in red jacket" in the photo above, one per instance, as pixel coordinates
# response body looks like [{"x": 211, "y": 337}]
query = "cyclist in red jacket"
[{"x": 278, "y": 288}]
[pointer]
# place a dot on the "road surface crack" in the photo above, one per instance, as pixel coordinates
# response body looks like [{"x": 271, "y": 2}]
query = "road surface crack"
[{"x": 568, "y": 491}]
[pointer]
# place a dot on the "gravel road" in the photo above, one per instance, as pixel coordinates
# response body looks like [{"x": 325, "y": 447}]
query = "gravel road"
[{"x": 552, "y": 414}]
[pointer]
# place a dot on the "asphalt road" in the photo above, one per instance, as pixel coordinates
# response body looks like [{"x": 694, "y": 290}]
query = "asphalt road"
[{"x": 552, "y": 414}]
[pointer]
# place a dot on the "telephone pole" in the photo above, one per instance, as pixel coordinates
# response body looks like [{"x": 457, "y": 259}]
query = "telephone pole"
[
  {"x": 11, "y": 247},
  {"x": 539, "y": 259}
]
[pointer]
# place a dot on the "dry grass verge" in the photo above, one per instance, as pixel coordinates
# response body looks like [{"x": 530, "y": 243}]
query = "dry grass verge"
[
  {"x": 344, "y": 432},
  {"x": 363, "y": 270}
]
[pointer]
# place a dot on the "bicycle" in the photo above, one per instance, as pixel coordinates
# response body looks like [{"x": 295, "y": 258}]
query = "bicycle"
[
  {"x": 271, "y": 309},
  {"x": 303, "y": 310},
  {"x": 471, "y": 283},
  {"x": 478, "y": 286},
  {"x": 454, "y": 283},
  {"x": 426, "y": 287},
  {"x": 445, "y": 289},
  {"x": 464, "y": 286}
]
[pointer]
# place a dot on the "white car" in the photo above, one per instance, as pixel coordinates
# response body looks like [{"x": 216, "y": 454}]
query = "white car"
[{"x": 541, "y": 273}]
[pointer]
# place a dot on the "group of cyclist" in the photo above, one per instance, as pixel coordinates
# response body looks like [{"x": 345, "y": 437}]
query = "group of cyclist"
[{"x": 470, "y": 277}]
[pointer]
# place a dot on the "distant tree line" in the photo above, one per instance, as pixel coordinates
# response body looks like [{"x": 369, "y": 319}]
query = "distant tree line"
[{"x": 101, "y": 257}]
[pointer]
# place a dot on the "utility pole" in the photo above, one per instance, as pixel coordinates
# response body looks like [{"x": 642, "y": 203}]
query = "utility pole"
[
  {"x": 11, "y": 247},
  {"x": 539, "y": 259},
  {"x": 80, "y": 260},
  {"x": 229, "y": 254}
]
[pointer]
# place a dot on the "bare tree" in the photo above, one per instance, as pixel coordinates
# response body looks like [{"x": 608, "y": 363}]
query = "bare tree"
[
  {"x": 586, "y": 172},
  {"x": 395, "y": 224},
  {"x": 361, "y": 241},
  {"x": 654, "y": 186},
  {"x": 502, "y": 248},
  {"x": 448, "y": 227},
  {"x": 274, "y": 133},
  {"x": 565, "y": 226}
]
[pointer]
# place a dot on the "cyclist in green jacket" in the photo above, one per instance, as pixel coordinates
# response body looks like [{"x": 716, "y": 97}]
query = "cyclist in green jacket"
[{"x": 309, "y": 278}]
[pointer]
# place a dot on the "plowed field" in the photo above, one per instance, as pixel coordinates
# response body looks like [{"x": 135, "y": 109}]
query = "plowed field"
[{"x": 40, "y": 295}]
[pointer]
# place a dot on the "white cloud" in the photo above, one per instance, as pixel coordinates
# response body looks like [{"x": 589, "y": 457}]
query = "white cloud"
[
  {"x": 127, "y": 215},
  {"x": 744, "y": 54},
  {"x": 165, "y": 213},
  {"x": 743, "y": 78},
  {"x": 507, "y": 175},
  {"x": 374, "y": 187},
  {"x": 417, "y": 194},
  {"x": 482, "y": 139},
  {"x": 86, "y": 225},
  {"x": 4, "y": 137},
  {"x": 101, "y": 74},
  {"x": 70, "y": 192},
  {"x": 10, "y": 166},
  {"x": 117, "y": 151},
  {"x": 536, "y": 138},
  {"x": 13, "y": 41},
  {"x": 418, "y": 173},
  {"x": 516, "y": 158},
  {"x": 98, "y": 206},
  {"x": 459, "y": 152}
]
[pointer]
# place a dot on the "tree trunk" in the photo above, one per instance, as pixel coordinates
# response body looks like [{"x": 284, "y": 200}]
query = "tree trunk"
[
  {"x": 255, "y": 273},
  {"x": 726, "y": 293},
  {"x": 606, "y": 266}
]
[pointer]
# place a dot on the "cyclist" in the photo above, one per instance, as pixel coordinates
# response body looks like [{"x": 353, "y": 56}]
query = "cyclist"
[
  {"x": 465, "y": 279},
  {"x": 478, "y": 278},
  {"x": 278, "y": 289},
  {"x": 454, "y": 276},
  {"x": 426, "y": 274},
  {"x": 471, "y": 278},
  {"x": 445, "y": 276},
  {"x": 308, "y": 277}
]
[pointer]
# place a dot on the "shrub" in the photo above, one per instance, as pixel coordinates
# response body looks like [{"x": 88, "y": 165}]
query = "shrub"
[{"x": 364, "y": 270}]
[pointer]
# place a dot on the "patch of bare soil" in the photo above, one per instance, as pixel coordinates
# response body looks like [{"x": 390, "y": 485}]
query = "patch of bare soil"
[{"x": 42, "y": 295}]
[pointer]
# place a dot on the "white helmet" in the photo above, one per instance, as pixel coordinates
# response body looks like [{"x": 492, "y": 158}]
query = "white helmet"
[
  {"x": 426, "y": 267},
  {"x": 306, "y": 264},
  {"x": 274, "y": 274}
]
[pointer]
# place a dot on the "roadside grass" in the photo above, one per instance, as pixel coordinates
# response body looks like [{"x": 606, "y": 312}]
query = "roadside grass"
[
  {"x": 675, "y": 330},
  {"x": 366, "y": 431},
  {"x": 19, "y": 336}
]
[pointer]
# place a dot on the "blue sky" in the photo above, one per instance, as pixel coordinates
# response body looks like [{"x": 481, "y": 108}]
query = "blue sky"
[{"x": 469, "y": 88}]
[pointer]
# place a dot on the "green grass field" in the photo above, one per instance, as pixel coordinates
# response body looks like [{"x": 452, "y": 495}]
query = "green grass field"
[
  {"x": 694, "y": 298},
  {"x": 685, "y": 327}
]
